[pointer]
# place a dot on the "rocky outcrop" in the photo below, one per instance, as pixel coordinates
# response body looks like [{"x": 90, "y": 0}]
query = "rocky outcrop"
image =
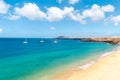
[{"x": 112, "y": 40}]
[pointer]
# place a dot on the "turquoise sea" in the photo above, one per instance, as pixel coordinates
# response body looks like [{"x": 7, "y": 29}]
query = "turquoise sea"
[{"x": 19, "y": 61}]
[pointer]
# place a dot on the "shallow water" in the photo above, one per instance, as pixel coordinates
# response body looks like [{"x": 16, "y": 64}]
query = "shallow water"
[{"x": 19, "y": 61}]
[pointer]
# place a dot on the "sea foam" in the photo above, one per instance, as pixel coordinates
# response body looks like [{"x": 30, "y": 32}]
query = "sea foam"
[
  {"x": 83, "y": 67},
  {"x": 109, "y": 53}
]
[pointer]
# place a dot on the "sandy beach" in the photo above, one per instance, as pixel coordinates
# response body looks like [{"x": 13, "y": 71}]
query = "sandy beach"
[{"x": 106, "y": 68}]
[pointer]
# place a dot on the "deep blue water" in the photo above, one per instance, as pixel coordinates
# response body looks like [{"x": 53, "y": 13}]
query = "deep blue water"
[{"x": 18, "y": 60}]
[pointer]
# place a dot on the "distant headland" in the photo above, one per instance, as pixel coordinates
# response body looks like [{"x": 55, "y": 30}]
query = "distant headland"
[{"x": 112, "y": 40}]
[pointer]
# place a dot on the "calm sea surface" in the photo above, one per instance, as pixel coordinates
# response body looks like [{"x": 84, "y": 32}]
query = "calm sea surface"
[{"x": 18, "y": 61}]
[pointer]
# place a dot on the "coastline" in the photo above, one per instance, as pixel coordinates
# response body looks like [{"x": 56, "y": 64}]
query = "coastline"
[
  {"x": 69, "y": 71},
  {"x": 106, "y": 67}
]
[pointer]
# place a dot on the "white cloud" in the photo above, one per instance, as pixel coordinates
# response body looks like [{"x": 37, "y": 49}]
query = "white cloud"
[
  {"x": 96, "y": 13},
  {"x": 108, "y": 8},
  {"x": 13, "y": 17},
  {"x": 30, "y": 11},
  {"x": 57, "y": 14},
  {"x": 76, "y": 16},
  {"x": 115, "y": 20},
  {"x": 1, "y": 29},
  {"x": 4, "y": 7},
  {"x": 73, "y": 1},
  {"x": 33, "y": 12},
  {"x": 54, "y": 14},
  {"x": 52, "y": 28},
  {"x": 59, "y": 1}
]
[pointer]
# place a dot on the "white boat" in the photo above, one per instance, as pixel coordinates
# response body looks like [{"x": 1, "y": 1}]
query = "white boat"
[
  {"x": 55, "y": 41},
  {"x": 25, "y": 42},
  {"x": 42, "y": 41}
]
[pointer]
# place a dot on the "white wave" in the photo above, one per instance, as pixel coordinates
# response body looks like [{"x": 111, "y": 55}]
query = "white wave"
[
  {"x": 109, "y": 53},
  {"x": 83, "y": 67},
  {"x": 106, "y": 54}
]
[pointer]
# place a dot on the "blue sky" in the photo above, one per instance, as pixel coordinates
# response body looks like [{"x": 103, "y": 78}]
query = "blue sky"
[{"x": 51, "y": 18}]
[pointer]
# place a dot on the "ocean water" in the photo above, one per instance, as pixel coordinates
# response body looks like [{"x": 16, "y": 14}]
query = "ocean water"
[{"x": 19, "y": 61}]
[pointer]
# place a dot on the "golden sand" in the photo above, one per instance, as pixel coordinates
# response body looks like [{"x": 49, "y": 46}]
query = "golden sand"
[{"x": 107, "y": 68}]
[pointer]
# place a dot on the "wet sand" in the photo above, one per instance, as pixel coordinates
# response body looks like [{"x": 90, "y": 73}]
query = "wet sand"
[{"x": 106, "y": 68}]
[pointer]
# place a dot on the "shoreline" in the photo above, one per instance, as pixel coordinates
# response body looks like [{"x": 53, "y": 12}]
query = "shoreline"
[
  {"x": 92, "y": 62},
  {"x": 96, "y": 70},
  {"x": 67, "y": 73}
]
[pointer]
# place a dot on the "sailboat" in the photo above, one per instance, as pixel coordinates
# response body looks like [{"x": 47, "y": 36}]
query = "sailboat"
[
  {"x": 42, "y": 41},
  {"x": 55, "y": 41},
  {"x": 25, "y": 42}
]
